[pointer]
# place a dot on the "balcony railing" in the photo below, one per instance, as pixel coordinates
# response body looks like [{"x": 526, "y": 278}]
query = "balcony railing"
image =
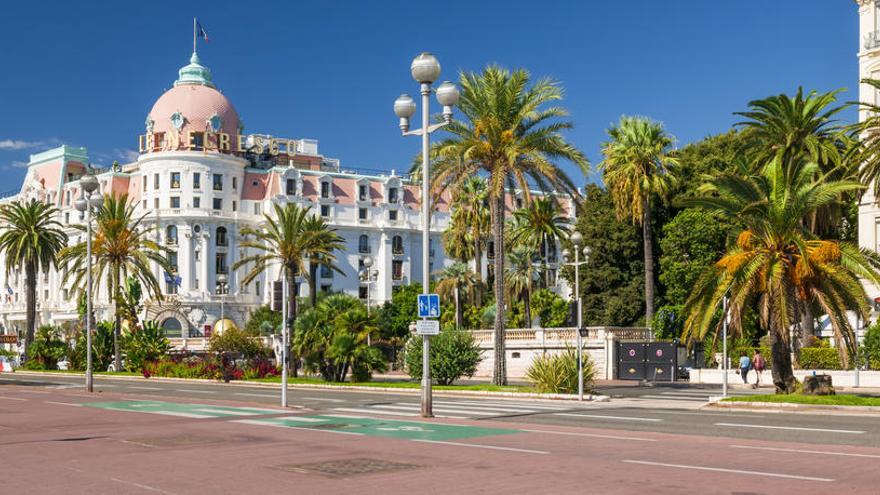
[{"x": 872, "y": 40}]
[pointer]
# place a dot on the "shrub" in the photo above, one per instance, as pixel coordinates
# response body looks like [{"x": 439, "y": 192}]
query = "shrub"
[
  {"x": 454, "y": 353},
  {"x": 46, "y": 350},
  {"x": 667, "y": 322},
  {"x": 557, "y": 373},
  {"x": 145, "y": 345},
  {"x": 819, "y": 358},
  {"x": 550, "y": 307},
  {"x": 263, "y": 321},
  {"x": 237, "y": 342},
  {"x": 871, "y": 346}
]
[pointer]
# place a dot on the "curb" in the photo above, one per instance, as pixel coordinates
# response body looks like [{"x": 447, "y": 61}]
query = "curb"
[
  {"x": 353, "y": 388},
  {"x": 716, "y": 403}
]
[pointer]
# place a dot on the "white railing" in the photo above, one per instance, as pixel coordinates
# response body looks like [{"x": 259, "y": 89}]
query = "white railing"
[{"x": 552, "y": 335}]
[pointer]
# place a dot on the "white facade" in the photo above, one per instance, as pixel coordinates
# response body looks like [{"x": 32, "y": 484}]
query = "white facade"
[{"x": 869, "y": 67}]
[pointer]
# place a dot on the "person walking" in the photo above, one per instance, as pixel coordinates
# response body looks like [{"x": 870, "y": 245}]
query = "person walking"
[
  {"x": 745, "y": 364},
  {"x": 758, "y": 364}
]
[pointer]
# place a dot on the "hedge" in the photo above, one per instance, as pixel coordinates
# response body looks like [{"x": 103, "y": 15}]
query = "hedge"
[{"x": 819, "y": 358}]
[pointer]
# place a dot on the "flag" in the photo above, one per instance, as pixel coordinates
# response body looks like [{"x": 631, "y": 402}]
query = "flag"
[
  {"x": 200, "y": 32},
  {"x": 8, "y": 290}
]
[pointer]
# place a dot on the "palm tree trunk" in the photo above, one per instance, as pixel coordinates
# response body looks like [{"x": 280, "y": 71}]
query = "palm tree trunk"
[
  {"x": 294, "y": 288},
  {"x": 649, "y": 262},
  {"x": 527, "y": 308},
  {"x": 117, "y": 330},
  {"x": 458, "y": 315},
  {"x": 313, "y": 283},
  {"x": 30, "y": 282},
  {"x": 781, "y": 370},
  {"x": 808, "y": 324},
  {"x": 499, "y": 374},
  {"x": 478, "y": 267}
]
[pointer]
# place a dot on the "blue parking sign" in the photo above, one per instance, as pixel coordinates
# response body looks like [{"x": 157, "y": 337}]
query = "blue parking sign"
[{"x": 429, "y": 306}]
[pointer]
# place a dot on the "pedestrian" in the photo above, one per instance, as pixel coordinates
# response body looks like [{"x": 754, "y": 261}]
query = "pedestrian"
[
  {"x": 758, "y": 364},
  {"x": 744, "y": 365}
]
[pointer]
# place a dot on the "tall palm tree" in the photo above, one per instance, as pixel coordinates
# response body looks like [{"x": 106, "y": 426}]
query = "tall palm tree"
[
  {"x": 778, "y": 262},
  {"x": 471, "y": 204},
  {"x": 538, "y": 226},
  {"x": 31, "y": 238},
  {"x": 637, "y": 168},
  {"x": 121, "y": 249},
  {"x": 455, "y": 281},
  {"x": 510, "y": 134},
  {"x": 324, "y": 241},
  {"x": 292, "y": 239},
  {"x": 519, "y": 276},
  {"x": 867, "y": 154}
]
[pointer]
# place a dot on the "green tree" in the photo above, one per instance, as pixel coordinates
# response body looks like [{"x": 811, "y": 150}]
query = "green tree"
[
  {"x": 263, "y": 321},
  {"x": 519, "y": 278},
  {"x": 454, "y": 354},
  {"x": 510, "y": 134},
  {"x": 636, "y": 169},
  {"x": 144, "y": 345},
  {"x": 539, "y": 225},
  {"x": 47, "y": 349},
  {"x": 31, "y": 239},
  {"x": 469, "y": 228},
  {"x": 324, "y": 243},
  {"x": 777, "y": 262},
  {"x": 456, "y": 281},
  {"x": 550, "y": 308},
  {"x": 122, "y": 248}
]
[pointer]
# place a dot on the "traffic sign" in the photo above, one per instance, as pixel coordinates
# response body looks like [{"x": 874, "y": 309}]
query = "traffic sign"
[
  {"x": 427, "y": 327},
  {"x": 429, "y": 306}
]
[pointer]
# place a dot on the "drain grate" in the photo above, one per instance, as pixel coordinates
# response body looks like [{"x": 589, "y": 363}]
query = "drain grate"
[{"x": 348, "y": 467}]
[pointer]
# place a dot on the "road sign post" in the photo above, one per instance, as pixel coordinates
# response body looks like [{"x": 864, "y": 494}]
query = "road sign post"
[{"x": 429, "y": 307}]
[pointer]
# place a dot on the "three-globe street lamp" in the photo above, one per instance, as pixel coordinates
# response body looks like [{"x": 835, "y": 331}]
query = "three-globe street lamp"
[
  {"x": 90, "y": 201},
  {"x": 425, "y": 69},
  {"x": 222, "y": 285},
  {"x": 368, "y": 276},
  {"x": 577, "y": 238}
]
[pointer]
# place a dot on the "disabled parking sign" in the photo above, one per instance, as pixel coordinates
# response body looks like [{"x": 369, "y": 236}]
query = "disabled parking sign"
[{"x": 429, "y": 306}]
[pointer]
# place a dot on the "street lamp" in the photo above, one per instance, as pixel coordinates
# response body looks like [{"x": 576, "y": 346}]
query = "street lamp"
[
  {"x": 222, "y": 284},
  {"x": 577, "y": 238},
  {"x": 90, "y": 201},
  {"x": 425, "y": 70}
]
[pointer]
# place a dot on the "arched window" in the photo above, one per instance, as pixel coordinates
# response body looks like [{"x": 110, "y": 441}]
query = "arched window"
[
  {"x": 363, "y": 244},
  {"x": 171, "y": 235},
  {"x": 222, "y": 240},
  {"x": 397, "y": 245},
  {"x": 172, "y": 328}
]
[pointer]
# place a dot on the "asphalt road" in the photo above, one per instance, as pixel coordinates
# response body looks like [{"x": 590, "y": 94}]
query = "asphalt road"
[{"x": 673, "y": 410}]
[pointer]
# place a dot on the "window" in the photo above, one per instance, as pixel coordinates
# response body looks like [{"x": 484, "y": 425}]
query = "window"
[
  {"x": 325, "y": 210},
  {"x": 218, "y": 182},
  {"x": 363, "y": 244},
  {"x": 257, "y": 287},
  {"x": 222, "y": 239},
  {"x": 519, "y": 203},
  {"x": 172, "y": 328},
  {"x": 175, "y": 201},
  {"x": 325, "y": 189},
  {"x": 397, "y": 270},
  {"x": 172, "y": 261},
  {"x": 326, "y": 288},
  {"x": 171, "y": 235},
  {"x": 392, "y": 215},
  {"x": 220, "y": 263},
  {"x": 291, "y": 187},
  {"x": 392, "y": 195},
  {"x": 363, "y": 192},
  {"x": 197, "y": 180},
  {"x": 175, "y": 180},
  {"x": 258, "y": 209},
  {"x": 362, "y": 292},
  {"x": 234, "y": 205},
  {"x": 144, "y": 204},
  {"x": 156, "y": 203},
  {"x": 551, "y": 277},
  {"x": 218, "y": 204},
  {"x": 326, "y": 272},
  {"x": 67, "y": 217},
  {"x": 551, "y": 252},
  {"x": 397, "y": 245},
  {"x": 197, "y": 202},
  {"x": 144, "y": 182},
  {"x": 362, "y": 213},
  {"x": 234, "y": 183},
  {"x": 361, "y": 266},
  {"x": 490, "y": 250},
  {"x": 430, "y": 247},
  {"x": 155, "y": 181}
]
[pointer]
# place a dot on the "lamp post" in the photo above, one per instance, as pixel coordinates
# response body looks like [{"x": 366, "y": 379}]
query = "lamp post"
[
  {"x": 577, "y": 238},
  {"x": 425, "y": 69},
  {"x": 368, "y": 275},
  {"x": 89, "y": 201},
  {"x": 222, "y": 284}
]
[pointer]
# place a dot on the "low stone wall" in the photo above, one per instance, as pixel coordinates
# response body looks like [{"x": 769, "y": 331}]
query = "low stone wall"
[{"x": 840, "y": 378}]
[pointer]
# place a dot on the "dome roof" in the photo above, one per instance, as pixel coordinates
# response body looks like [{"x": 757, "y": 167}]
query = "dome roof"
[{"x": 193, "y": 104}]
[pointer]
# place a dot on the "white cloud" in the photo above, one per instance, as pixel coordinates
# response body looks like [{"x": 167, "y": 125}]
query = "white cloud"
[
  {"x": 19, "y": 164},
  {"x": 19, "y": 144},
  {"x": 126, "y": 155}
]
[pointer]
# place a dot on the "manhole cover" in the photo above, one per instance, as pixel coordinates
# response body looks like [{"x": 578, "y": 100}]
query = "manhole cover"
[
  {"x": 176, "y": 441},
  {"x": 347, "y": 467}
]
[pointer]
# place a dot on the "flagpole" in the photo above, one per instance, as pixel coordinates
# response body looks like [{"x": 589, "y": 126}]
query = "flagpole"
[{"x": 194, "y": 34}]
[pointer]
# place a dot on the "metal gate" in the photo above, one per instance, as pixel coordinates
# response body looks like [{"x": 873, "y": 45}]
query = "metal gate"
[{"x": 651, "y": 361}]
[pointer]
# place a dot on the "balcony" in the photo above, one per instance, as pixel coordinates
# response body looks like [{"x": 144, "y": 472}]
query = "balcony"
[{"x": 872, "y": 40}]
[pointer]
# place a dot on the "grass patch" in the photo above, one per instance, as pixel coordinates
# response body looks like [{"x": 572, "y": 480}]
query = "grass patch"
[
  {"x": 75, "y": 372},
  {"x": 482, "y": 387},
  {"x": 822, "y": 400}
]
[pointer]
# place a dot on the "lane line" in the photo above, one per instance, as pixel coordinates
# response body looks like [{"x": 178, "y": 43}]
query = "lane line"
[
  {"x": 143, "y": 487},
  {"x": 321, "y": 399},
  {"x": 194, "y": 391},
  {"x": 479, "y": 446},
  {"x": 13, "y": 398},
  {"x": 144, "y": 388},
  {"x": 726, "y": 470},
  {"x": 593, "y": 435},
  {"x": 520, "y": 405},
  {"x": 245, "y": 394},
  {"x": 63, "y": 403},
  {"x": 795, "y": 428},
  {"x": 439, "y": 409},
  {"x": 367, "y": 411},
  {"x": 259, "y": 423},
  {"x": 802, "y": 451},
  {"x": 725, "y": 415},
  {"x": 599, "y": 416}
]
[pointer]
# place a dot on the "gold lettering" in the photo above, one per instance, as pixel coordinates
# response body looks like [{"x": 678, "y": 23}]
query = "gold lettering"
[
  {"x": 291, "y": 147},
  {"x": 258, "y": 145},
  {"x": 223, "y": 142},
  {"x": 174, "y": 140},
  {"x": 273, "y": 147},
  {"x": 190, "y": 139},
  {"x": 242, "y": 143}
]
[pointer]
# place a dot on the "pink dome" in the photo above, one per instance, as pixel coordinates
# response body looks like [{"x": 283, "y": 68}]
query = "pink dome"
[{"x": 198, "y": 104}]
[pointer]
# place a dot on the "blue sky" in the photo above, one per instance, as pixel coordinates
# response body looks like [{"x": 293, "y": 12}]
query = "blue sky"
[{"x": 87, "y": 73}]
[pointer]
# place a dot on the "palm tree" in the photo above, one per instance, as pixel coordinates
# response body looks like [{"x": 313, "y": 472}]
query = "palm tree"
[
  {"x": 777, "y": 262},
  {"x": 867, "y": 153},
  {"x": 456, "y": 279},
  {"x": 324, "y": 241},
  {"x": 471, "y": 207},
  {"x": 31, "y": 239},
  {"x": 636, "y": 169},
  {"x": 121, "y": 249},
  {"x": 538, "y": 226},
  {"x": 512, "y": 136},
  {"x": 519, "y": 276},
  {"x": 292, "y": 239}
]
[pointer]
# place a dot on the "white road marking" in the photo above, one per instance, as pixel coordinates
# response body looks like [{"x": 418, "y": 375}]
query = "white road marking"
[
  {"x": 725, "y": 470},
  {"x": 322, "y": 399},
  {"x": 498, "y": 409},
  {"x": 795, "y": 428},
  {"x": 593, "y": 435},
  {"x": 438, "y": 409},
  {"x": 63, "y": 403},
  {"x": 144, "y": 388},
  {"x": 195, "y": 391},
  {"x": 598, "y": 416},
  {"x": 367, "y": 411},
  {"x": 144, "y": 487},
  {"x": 478, "y": 446},
  {"x": 244, "y": 394},
  {"x": 802, "y": 451},
  {"x": 669, "y": 397},
  {"x": 12, "y": 398},
  {"x": 726, "y": 415},
  {"x": 260, "y": 423},
  {"x": 104, "y": 385},
  {"x": 521, "y": 405},
  {"x": 223, "y": 411}
]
